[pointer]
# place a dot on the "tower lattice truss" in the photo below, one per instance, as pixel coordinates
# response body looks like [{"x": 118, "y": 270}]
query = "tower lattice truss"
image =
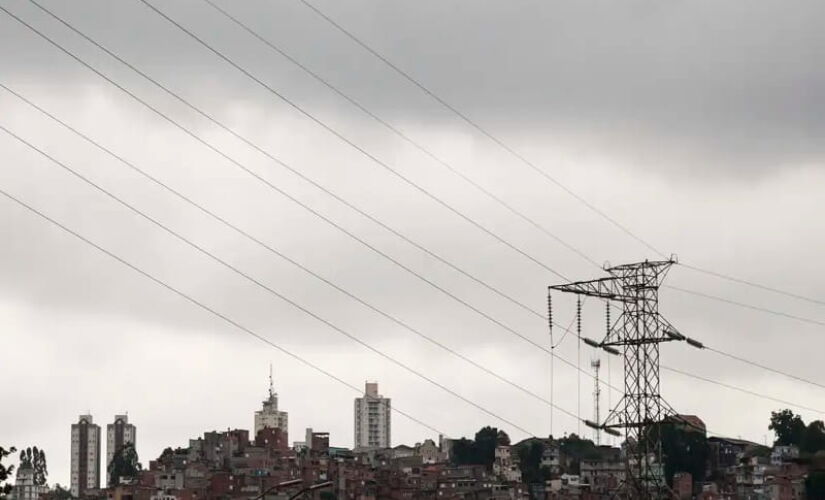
[{"x": 635, "y": 334}]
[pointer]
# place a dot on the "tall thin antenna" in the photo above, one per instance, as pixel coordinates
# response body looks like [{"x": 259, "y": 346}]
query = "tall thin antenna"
[
  {"x": 271, "y": 383},
  {"x": 597, "y": 392},
  {"x": 552, "y": 356}
]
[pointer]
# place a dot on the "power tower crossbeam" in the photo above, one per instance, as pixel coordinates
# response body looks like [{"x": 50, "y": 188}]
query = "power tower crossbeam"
[{"x": 637, "y": 331}]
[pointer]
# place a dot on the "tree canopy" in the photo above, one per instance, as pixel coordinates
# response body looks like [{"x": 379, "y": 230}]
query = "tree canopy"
[
  {"x": 790, "y": 429},
  {"x": 482, "y": 449},
  {"x": 5, "y": 471},
  {"x": 124, "y": 464},
  {"x": 36, "y": 459},
  {"x": 684, "y": 450},
  {"x": 530, "y": 455}
]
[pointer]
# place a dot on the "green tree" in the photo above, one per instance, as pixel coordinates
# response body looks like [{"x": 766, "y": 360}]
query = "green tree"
[
  {"x": 814, "y": 437},
  {"x": 788, "y": 427},
  {"x": 487, "y": 439},
  {"x": 815, "y": 485},
  {"x": 530, "y": 455},
  {"x": 684, "y": 450},
  {"x": 124, "y": 464},
  {"x": 464, "y": 452},
  {"x": 481, "y": 450},
  {"x": 5, "y": 471},
  {"x": 38, "y": 462}
]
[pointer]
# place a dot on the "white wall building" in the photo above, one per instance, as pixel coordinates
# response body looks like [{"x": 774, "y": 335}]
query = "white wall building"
[
  {"x": 118, "y": 434},
  {"x": 372, "y": 419},
  {"x": 269, "y": 415},
  {"x": 85, "y": 456},
  {"x": 503, "y": 465},
  {"x": 782, "y": 454}
]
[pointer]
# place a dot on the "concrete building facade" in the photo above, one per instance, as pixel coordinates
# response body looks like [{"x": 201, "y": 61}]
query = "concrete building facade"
[
  {"x": 85, "y": 462},
  {"x": 372, "y": 419},
  {"x": 118, "y": 434}
]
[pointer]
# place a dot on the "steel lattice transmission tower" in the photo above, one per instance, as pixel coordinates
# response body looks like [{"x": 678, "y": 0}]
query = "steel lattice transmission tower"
[{"x": 636, "y": 333}]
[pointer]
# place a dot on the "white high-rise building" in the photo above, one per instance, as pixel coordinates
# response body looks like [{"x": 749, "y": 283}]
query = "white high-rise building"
[
  {"x": 372, "y": 419},
  {"x": 269, "y": 416},
  {"x": 85, "y": 456},
  {"x": 118, "y": 434}
]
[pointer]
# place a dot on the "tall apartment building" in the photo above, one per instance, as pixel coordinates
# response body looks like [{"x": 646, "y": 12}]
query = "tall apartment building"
[
  {"x": 269, "y": 415},
  {"x": 118, "y": 434},
  {"x": 85, "y": 456},
  {"x": 372, "y": 419}
]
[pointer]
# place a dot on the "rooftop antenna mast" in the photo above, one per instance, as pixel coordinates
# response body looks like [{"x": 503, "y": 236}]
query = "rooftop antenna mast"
[
  {"x": 271, "y": 383},
  {"x": 597, "y": 392}
]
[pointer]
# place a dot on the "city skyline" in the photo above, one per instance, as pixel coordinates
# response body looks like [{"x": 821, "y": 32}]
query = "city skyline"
[{"x": 414, "y": 248}]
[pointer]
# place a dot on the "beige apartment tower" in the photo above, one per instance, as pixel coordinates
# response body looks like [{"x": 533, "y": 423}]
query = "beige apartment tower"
[
  {"x": 85, "y": 466},
  {"x": 372, "y": 419}
]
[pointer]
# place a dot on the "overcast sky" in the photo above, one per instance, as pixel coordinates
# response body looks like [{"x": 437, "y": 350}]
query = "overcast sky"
[{"x": 698, "y": 125}]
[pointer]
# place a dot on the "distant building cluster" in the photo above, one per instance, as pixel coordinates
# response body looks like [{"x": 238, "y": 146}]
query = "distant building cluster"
[{"x": 262, "y": 465}]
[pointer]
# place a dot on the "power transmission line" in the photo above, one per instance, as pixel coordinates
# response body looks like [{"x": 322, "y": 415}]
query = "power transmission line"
[
  {"x": 287, "y": 195},
  {"x": 747, "y": 306},
  {"x": 395, "y": 232},
  {"x": 742, "y": 390},
  {"x": 287, "y": 166},
  {"x": 380, "y": 162},
  {"x": 203, "y": 306},
  {"x": 263, "y": 286},
  {"x": 283, "y": 193},
  {"x": 445, "y": 164},
  {"x": 283, "y": 256},
  {"x": 352, "y": 144},
  {"x": 401, "y": 134},
  {"x": 755, "y": 285},
  {"x": 390, "y": 169},
  {"x": 765, "y": 367},
  {"x": 484, "y": 131},
  {"x": 477, "y": 126}
]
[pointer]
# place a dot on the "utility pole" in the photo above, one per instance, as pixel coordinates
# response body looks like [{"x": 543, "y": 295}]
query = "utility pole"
[{"x": 637, "y": 331}]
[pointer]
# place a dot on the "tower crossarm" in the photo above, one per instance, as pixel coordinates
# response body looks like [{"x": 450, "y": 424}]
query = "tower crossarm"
[{"x": 605, "y": 288}]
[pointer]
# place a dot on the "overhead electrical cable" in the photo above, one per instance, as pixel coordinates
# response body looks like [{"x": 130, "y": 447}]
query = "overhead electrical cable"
[
  {"x": 742, "y": 390},
  {"x": 290, "y": 168},
  {"x": 283, "y": 256},
  {"x": 205, "y": 307},
  {"x": 366, "y": 153},
  {"x": 374, "y": 159},
  {"x": 287, "y": 195},
  {"x": 370, "y": 217},
  {"x": 263, "y": 285},
  {"x": 401, "y": 134},
  {"x": 275, "y": 159},
  {"x": 524, "y": 160},
  {"x": 747, "y": 306}
]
